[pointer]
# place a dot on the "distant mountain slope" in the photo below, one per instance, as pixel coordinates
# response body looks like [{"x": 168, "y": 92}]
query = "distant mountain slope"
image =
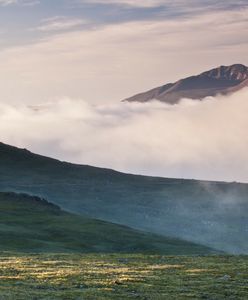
[
  {"x": 35, "y": 225},
  {"x": 209, "y": 213},
  {"x": 222, "y": 80}
]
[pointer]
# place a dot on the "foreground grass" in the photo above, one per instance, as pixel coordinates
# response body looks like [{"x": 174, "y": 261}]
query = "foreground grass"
[{"x": 117, "y": 276}]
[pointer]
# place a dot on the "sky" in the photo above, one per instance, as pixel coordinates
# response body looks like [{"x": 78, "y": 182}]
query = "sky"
[
  {"x": 67, "y": 64},
  {"x": 106, "y": 50}
]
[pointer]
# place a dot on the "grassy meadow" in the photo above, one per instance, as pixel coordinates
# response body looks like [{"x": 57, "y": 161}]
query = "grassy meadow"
[{"x": 122, "y": 276}]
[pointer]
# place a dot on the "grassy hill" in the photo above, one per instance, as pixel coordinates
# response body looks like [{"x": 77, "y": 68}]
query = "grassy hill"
[
  {"x": 209, "y": 213},
  {"x": 30, "y": 224}
]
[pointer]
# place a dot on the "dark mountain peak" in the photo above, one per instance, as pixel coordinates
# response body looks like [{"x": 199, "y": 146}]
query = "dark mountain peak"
[
  {"x": 236, "y": 72},
  {"x": 222, "y": 80}
]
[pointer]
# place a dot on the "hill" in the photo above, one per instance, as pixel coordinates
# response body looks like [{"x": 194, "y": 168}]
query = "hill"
[
  {"x": 32, "y": 224},
  {"x": 209, "y": 213},
  {"x": 222, "y": 80}
]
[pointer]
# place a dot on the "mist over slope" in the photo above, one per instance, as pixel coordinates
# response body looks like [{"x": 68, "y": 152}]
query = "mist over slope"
[
  {"x": 31, "y": 224},
  {"x": 210, "y": 213}
]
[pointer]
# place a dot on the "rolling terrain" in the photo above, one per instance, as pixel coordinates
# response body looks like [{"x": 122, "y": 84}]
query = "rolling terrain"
[
  {"x": 222, "y": 80},
  {"x": 209, "y": 213},
  {"x": 30, "y": 224}
]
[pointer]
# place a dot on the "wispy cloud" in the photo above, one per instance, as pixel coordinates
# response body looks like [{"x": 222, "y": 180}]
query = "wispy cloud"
[
  {"x": 187, "y": 4},
  {"x": 8, "y": 2},
  {"x": 132, "y": 3},
  {"x": 19, "y": 2},
  {"x": 60, "y": 23}
]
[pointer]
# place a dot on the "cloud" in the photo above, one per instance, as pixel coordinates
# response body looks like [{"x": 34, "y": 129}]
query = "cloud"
[
  {"x": 8, "y": 2},
  {"x": 168, "y": 3},
  {"x": 206, "y": 140},
  {"x": 60, "y": 23},
  {"x": 132, "y": 3},
  {"x": 112, "y": 62},
  {"x": 19, "y": 2}
]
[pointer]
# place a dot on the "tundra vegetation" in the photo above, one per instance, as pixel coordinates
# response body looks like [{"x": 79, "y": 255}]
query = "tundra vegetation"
[{"x": 122, "y": 276}]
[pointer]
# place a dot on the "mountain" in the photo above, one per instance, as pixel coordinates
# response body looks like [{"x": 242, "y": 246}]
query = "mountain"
[
  {"x": 31, "y": 224},
  {"x": 209, "y": 213},
  {"x": 222, "y": 80}
]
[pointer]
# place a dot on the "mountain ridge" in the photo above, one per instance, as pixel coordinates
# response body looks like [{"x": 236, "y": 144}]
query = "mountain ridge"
[{"x": 222, "y": 80}]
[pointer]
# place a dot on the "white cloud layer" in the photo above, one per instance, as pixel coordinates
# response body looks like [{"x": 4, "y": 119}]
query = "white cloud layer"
[{"x": 206, "y": 140}]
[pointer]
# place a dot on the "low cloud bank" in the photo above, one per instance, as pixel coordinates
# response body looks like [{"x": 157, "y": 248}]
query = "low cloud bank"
[{"x": 194, "y": 139}]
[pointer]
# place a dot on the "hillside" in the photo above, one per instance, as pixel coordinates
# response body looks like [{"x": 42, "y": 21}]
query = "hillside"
[
  {"x": 209, "y": 213},
  {"x": 222, "y": 80},
  {"x": 35, "y": 225}
]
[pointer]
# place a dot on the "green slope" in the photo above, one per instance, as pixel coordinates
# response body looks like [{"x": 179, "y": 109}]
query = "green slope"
[
  {"x": 28, "y": 223},
  {"x": 210, "y": 213}
]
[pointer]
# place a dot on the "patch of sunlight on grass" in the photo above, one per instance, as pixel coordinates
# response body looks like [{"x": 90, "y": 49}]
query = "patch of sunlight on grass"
[
  {"x": 10, "y": 277},
  {"x": 122, "y": 276},
  {"x": 196, "y": 270},
  {"x": 164, "y": 267}
]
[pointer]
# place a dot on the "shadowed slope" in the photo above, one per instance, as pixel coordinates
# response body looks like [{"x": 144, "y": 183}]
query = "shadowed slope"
[
  {"x": 209, "y": 213},
  {"x": 35, "y": 225}
]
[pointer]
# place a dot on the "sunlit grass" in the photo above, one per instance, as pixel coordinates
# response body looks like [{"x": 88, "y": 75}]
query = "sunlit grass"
[{"x": 117, "y": 276}]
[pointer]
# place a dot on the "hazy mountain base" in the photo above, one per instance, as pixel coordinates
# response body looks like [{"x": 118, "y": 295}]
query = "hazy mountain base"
[
  {"x": 208, "y": 213},
  {"x": 29, "y": 224},
  {"x": 122, "y": 276}
]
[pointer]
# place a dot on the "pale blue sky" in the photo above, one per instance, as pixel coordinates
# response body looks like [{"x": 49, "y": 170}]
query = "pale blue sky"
[{"x": 18, "y": 18}]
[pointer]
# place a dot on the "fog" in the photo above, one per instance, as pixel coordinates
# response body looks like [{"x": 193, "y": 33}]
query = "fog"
[{"x": 194, "y": 139}]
